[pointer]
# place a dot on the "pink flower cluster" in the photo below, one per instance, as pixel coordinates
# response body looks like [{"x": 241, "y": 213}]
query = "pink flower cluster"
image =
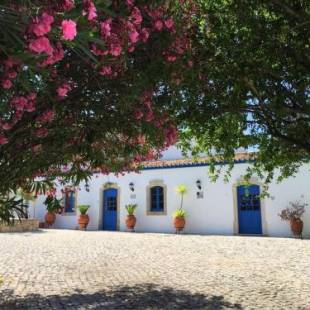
[
  {"x": 10, "y": 69},
  {"x": 159, "y": 21},
  {"x": 23, "y": 104},
  {"x": 40, "y": 43},
  {"x": 68, "y": 29},
  {"x": 106, "y": 70},
  {"x": 68, "y": 5},
  {"x": 123, "y": 34},
  {"x": 63, "y": 90},
  {"x": 89, "y": 10},
  {"x": 56, "y": 56},
  {"x": 177, "y": 49},
  {"x": 19, "y": 105},
  {"x": 42, "y": 25},
  {"x": 46, "y": 117},
  {"x": 41, "y": 132}
]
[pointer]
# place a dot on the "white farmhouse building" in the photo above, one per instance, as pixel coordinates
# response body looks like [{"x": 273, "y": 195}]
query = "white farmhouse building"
[{"x": 212, "y": 208}]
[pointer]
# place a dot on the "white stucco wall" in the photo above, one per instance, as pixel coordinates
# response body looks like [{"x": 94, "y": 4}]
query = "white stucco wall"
[{"x": 214, "y": 214}]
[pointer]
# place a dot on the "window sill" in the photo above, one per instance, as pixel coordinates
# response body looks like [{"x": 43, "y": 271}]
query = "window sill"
[
  {"x": 156, "y": 213},
  {"x": 68, "y": 213}
]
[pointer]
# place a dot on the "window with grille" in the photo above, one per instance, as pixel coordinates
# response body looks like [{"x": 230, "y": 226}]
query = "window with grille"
[{"x": 157, "y": 199}]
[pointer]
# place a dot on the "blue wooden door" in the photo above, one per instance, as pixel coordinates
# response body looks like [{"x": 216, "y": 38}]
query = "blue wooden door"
[
  {"x": 109, "y": 209},
  {"x": 249, "y": 210}
]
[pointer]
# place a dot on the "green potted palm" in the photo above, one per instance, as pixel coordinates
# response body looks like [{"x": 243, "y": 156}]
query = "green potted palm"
[
  {"x": 84, "y": 218},
  {"x": 180, "y": 214},
  {"x": 52, "y": 205},
  {"x": 131, "y": 219}
]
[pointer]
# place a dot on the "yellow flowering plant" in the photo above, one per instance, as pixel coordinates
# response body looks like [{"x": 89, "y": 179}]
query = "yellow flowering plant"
[{"x": 181, "y": 190}]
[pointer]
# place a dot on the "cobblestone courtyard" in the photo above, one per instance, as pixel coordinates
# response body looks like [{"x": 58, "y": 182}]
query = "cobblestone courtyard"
[{"x": 58, "y": 269}]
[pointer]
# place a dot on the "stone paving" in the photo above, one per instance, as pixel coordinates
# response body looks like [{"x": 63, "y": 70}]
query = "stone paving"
[{"x": 61, "y": 269}]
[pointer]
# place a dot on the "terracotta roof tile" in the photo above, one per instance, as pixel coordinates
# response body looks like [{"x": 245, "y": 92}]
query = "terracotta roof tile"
[{"x": 192, "y": 161}]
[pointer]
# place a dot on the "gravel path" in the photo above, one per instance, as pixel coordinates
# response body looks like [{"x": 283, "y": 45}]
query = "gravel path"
[{"x": 61, "y": 269}]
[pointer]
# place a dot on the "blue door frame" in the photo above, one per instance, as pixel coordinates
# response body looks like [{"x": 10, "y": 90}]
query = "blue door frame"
[
  {"x": 249, "y": 209},
  {"x": 109, "y": 209}
]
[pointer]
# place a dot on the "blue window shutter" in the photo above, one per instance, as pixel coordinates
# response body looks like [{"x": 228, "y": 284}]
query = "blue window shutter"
[
  {"x": 72, "y": 198},
  {"x": 69, "y": 201}
]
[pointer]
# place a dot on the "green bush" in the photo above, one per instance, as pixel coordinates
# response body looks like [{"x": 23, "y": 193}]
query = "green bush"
[
  {"x": 10, "y": 208},
  {"x": 131, "y": 209},
  {"x": 83, "y": 209}
]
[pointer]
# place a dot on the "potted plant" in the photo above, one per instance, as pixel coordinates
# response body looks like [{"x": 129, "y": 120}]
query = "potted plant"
[
  {"x": 52, "y": 206},
  {"x": 293, "y": 214},
  {"x": 179, "y": 215},
  {"x": 131, "y": 219},
  {"x": 84, "y": 218}
]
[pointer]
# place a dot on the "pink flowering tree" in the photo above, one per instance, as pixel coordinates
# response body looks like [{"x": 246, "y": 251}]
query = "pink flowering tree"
[{"x": 82, "y": 86}]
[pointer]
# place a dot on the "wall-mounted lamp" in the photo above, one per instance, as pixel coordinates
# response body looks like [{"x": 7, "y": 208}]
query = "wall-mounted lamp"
[
  {"x": 198, "y": 184},
  {"x": 87, "y": 187},
  {"x": 132, "y": 186}
]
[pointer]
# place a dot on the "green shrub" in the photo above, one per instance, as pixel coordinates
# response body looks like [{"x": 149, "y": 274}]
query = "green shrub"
[
  {"x": 10, "y": 208},
  {"x": 179, "y": 213},
  {"x": 131, "y": 208},
  {"x": 83, "y": 209}
]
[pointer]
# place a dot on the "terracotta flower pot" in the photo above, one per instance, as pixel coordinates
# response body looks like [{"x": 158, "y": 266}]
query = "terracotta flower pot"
[
  {"x": 83, "y": 221},
  {"x": 131, "y": 221},
  {"x": 179, "y": 223},
  {"x": 296, "y": 226},
  {"x": 50, "y": 218},
  {"x": 42, "y": 225}
]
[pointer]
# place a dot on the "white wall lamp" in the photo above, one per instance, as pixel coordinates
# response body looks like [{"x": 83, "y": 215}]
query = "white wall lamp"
[{"x": 132, "y": 186}]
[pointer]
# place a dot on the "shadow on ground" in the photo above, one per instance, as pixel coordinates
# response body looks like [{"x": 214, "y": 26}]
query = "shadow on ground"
[{"x": 147, "y": 296}]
